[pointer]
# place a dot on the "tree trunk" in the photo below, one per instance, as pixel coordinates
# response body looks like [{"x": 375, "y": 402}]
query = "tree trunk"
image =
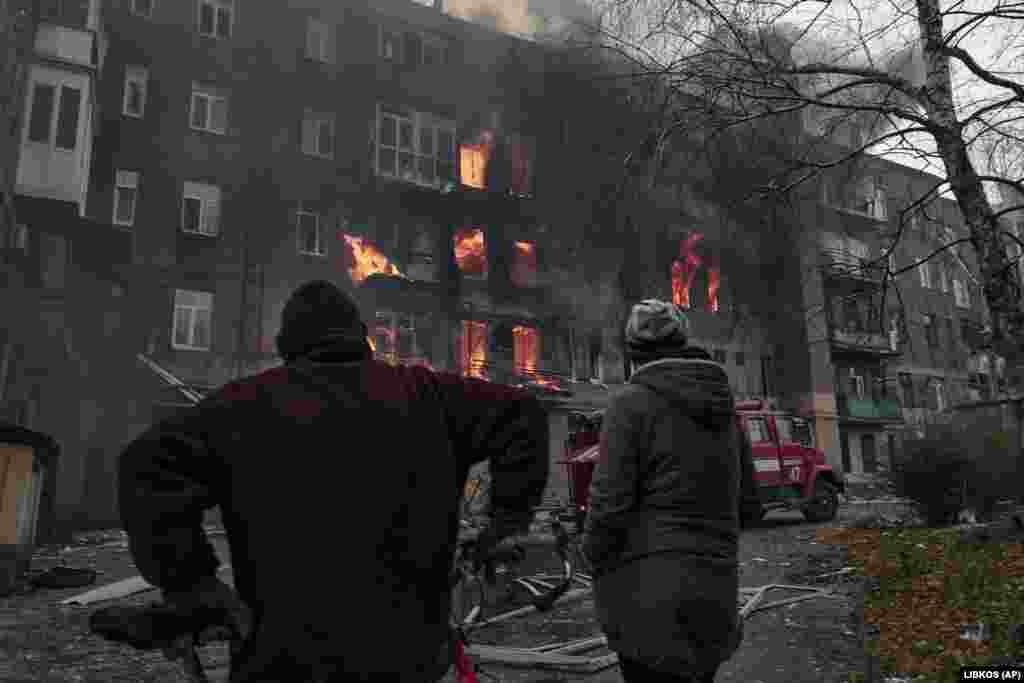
[{"x": 1000, "y": 290}]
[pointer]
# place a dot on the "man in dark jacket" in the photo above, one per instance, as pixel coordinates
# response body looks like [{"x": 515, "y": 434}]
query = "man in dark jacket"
[
  {"x": 339, "y": 479},
  {"x": 674, "y": 479}
]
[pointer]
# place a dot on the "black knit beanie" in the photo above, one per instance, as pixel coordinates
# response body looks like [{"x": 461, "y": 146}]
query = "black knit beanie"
[{"x": 318, "y": 313}]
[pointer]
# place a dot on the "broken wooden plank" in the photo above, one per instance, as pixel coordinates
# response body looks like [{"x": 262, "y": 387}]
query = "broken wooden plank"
[
  {"x": 782, "y": 586},
  {"x": 753, "y": 600},
  {"x": 540, "y": 660},
  {"x": 124, "y": 588}
]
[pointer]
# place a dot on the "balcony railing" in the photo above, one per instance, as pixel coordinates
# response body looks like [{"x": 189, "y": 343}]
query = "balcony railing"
[
  {"x": 863, "y": 340},
  {"x": 869, "y": 409},
  {"x": 841, "y": 263}
]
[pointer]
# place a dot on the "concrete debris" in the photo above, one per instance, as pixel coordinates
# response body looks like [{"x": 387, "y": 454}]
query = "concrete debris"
[{"x": 977, "y": 632}]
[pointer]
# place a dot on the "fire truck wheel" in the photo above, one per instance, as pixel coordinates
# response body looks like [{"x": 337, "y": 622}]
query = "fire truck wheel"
[{"x": 825, "y": 503}]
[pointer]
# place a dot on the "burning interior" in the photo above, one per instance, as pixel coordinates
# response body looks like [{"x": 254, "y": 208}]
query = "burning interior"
[
  {"x": 473, "y": 349},
  {"x": 525, "y": 349},
  {"x": 474, "y": 158},
  {"x": 471, "y": 252},
  {"x": 363, "y": 259},
  {"x": 524, "y": 264},
  {"x": 684, "y": 272}
]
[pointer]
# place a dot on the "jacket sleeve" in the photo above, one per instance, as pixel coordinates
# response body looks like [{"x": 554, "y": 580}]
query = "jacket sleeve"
[
  {"x": 751, "y": 509},
  {"x": 509, "y": 428},
  {"x": 613, "y": 488},
  {"x": 167, "y": 478}
]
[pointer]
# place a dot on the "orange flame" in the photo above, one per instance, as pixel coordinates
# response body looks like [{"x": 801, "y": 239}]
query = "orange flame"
[
  {"x": 363, "y": 259},
  {"x": 525, "y": 349},
  {"x": 373, "y": 347},
  {"x": 684, "y": 269},
  {"x": 714, "y": 284},
  {"x": 470, "y": 252},
  {"x": 473, "y": 349},
  {"x": 524, "y": 267},
  {"x": 473, "y": 160}
]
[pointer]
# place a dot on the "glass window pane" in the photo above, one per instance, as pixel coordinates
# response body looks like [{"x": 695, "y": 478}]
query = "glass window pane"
[
  {"x": 201, "y": 330},
  {"x": 125, "y": 212},
  {"x": 219, "y": 114},
  {"x": 182, "y": 317},
  {"x": 206, "y": 19},
  {"x": 407, "y": 165},
  {"x": 326, "y": 138},
  {"x": 211, "y": 221},
  {"x": 387, "y": 161},
  {"x": 405, "y": 134},
  {"x": 191, "y": 211},
  {"x": 388, "y": 130},
  {"x": 200, "y": 107},
  {"x": 426, "y": 168},
  {"x": 446, "y": 145},
  {"x": 223, "y": 22},
  {"x": 426, "y": 141},
  {"x": 42, "y": 112}
]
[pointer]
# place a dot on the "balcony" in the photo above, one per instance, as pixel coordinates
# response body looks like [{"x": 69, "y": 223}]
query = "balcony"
[
  {"x": 857, "y": 339},
  {"x": 884, "y": 410},
  {"x": 841, "y": 264},
  {"x": 68, "y": 44}
]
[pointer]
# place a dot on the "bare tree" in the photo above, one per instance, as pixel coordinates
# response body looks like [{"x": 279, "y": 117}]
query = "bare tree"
[{"x": 929, "y": 81}]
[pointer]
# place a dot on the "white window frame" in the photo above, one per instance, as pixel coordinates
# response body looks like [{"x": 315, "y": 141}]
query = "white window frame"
[
  {"x": 319, "y": 41},
  {"x": 209, "y": 198},
  {"x": 925, "y": 273},
  {"x": 218, "y": 5},
  {"x": 128, "y": 180},
  {"x": 134, "y": 9},
  {"x": 419, "y": 121},
  {"x": 321, "y": 243},
  {"x": 940, "y": 395},
  {"x": 943, "y": 276},
  {"x": 961, "y": 294},
  {"x": 138, "y": 75},
  {"x": 312, "y": 129},
  {"x": 212, "y": 96},
  {"x": 194, "y": 302},
  {"x": 58, "y": 84}
]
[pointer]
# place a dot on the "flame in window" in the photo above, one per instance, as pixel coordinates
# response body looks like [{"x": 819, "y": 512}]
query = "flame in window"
[
  {"x": 714, "y": 284},
  {"x": 684, "y": 269},
  {"x": 525, "y": 349},
  {"x": 470, "y": 252},
  {"x": 473, "y": 160},
  {"x": 386, "y": 347},
  {"x": 363, "y": 259},
  {"x": 524, "y": 265},
  {"x": 373, "y": 347},
  {"x": 473, "y": 349}
]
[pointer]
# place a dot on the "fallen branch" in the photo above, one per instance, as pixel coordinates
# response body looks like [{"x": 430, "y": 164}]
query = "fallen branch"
[
  {"x": 528, "y": 609},
  {"x": 133, "y": 585},
  {"x": 789, "y": 601}
]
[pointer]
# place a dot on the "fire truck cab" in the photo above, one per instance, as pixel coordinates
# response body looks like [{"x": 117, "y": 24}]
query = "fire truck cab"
[{"x": 791, "y": 473}]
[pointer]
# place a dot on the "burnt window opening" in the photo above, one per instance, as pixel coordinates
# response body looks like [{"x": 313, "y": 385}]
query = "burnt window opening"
[
  {"x": 685, "y": 270},
  {"x": 402, "y": 338},
  {"x": 525, "y": 349},
  {"x": 423, "y": 257},
  {"x": 361, "y": 258},
  {"x": 472, "y": 348},
  {"x": 524, "y": 264},
  {"x": 474, "y": 159},
  {"x": 471, "y": 252}
]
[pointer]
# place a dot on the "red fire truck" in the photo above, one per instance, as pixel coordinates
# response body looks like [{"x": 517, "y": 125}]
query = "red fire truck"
[{"x": 791, "y": 473}]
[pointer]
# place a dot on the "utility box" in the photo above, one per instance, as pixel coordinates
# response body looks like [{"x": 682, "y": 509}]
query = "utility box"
[{"x": 25, "y": 458}]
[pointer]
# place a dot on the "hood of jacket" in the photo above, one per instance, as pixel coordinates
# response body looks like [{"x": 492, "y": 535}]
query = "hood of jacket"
[{"x": 700, "y": 388}]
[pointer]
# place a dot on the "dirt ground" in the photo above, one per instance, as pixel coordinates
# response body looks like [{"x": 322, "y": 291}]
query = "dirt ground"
[{"x": 815, "y": 640}]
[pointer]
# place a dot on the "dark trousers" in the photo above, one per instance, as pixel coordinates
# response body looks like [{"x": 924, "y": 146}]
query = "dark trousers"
[{"x": 634, "y": 671}]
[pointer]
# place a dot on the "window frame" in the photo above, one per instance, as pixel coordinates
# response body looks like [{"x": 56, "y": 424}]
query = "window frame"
[
  {"x": 57, "y": 111},
  {"x": 960, "y": 294},
  {"x": 119, "y": 185},
  {"x": 192, "y": 189},
  {"x": 925, "y": 274},
  {"x": 133, "y": 8},
  {"x": 210, "y": 94},
  {"x": 324, "y": 32},
  {"x": 419, "y": 120},
  {"x": 130, "y": 71},
  {"x": 311, "y": 123},
  {"x": 321, "y": 243},
  {"x": 192, "y": 320},
  {"x": 218, "y": 6}
]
